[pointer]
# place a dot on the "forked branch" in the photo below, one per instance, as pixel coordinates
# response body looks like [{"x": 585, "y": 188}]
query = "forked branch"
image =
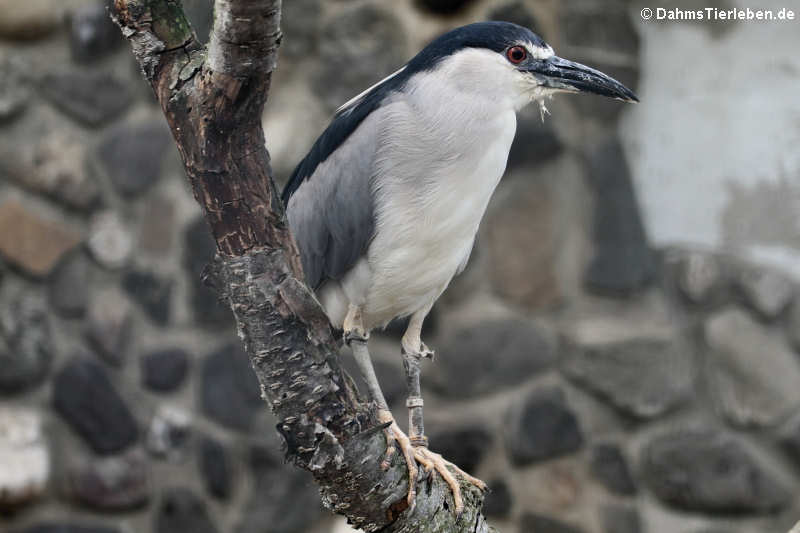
[{"x": 213, "y": 98}]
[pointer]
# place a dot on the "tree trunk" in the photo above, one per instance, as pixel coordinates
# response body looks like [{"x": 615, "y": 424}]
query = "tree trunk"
[{"x": 213, "y": 99}]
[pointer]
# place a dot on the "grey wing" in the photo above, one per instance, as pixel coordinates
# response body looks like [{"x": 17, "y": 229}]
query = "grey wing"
[{"x": 332, "y": 213}]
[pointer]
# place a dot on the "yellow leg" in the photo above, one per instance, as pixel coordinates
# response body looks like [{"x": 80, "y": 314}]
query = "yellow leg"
[{"x": 412, "y": 341}]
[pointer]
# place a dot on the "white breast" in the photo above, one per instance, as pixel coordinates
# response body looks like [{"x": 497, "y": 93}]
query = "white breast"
[
  {"x": 443, "y": 146},
  {"x": 430, "y": 201}
]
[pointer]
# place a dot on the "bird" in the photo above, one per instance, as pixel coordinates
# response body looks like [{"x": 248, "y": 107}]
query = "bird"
[{"x": 386, "y": 205}]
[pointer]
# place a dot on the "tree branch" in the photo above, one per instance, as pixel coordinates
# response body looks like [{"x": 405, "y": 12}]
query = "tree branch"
[
  {"x": 213, "y": 100},
  {"x": 245, "y": 37}
]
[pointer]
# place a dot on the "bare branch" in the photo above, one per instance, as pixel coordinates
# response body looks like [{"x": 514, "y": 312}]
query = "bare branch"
[
  {"x": 213, "y": 100},
  {"x": 245, "y": 37}
]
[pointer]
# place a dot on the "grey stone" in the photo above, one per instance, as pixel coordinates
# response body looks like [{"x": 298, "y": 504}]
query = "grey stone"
[
  {"x": 13, "y": 92},
  {"x": 109, "y": 325},
  {"x": 793, "y": 325},
  {"x": 54, "y": 166},
  {"x": 26, "y": 344},
  {"x": 390, "y": 374},
  {"x": 609, "y": 467},
  {"x": 132, "y": 155},
  {"x": 169, "y": 432},
  {"x": 542, "y": 427},
  {"x": 709, "y": 471},
  {"x": 284, "y": 500},
  {"x": 29, "y": 20},
  {"x": 789, "y": 438},
  {"x": 198, "y": 252},
  {"x": 463, "y": 446},
  {"x": 110, "y": 241},
  {"x": 522, "y": 219},
  {"x": 535, "y": 142},
  {"x": 604, "y": 26},
  {"x": 32, "y": 243},
  {"x": 164, "y": 370},
  {"x": 443, "y": 7},
  {"x": 490, "y": 356},
  {"x": 363, "y": 44},
  {"x": 301, "y": 26},
  {"x": 516, "y": 12},
  {"x": 182, "y": 511},
  {"x": 92, "y": 33},
  {"x": 84, "y": 396},
  {"x": 623, "y": 261},
  {"x": 114, "y": 483},
  {"x": 752, "y": 372},
  {"x": 618, "y": 518},
  {"x": 93, "y": 99},
  {"x": 156, "y": 226},
  {"x": 66, "y": 527},
  {"x": 591, "y": 32},
  {"x": 536, "y": 523},
  {"x": 230, "y": 393},
  {"x": 216, "y": 468},
  {"x": 499, "y": 500},
  {"x": 152, "y": 292},
  {"x": 642, "y": 377},
  {"x": 726, "y": 530},
  {"x": 68, "y": 286},
  {"x": 699, "y": 275},
  {"x": 766, "y": 291},
  {"x": 24, "y": 458}
]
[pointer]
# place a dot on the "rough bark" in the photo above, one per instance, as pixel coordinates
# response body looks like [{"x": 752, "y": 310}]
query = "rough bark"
[{"x": 212, "y": 98}]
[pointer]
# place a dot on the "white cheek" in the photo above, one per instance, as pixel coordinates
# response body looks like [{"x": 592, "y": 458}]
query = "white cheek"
[{"x": 486, "y": 74}]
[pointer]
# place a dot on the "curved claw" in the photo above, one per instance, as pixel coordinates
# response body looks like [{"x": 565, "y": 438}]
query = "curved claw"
[
  {"x": 390, "y": 451},
  {"x": 434, "y": 461},
  {"x": 430, "y": 461},
  {"x": 395, "y": 435}
]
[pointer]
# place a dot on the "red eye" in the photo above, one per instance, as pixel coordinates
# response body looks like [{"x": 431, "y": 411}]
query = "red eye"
[{"x": 516, "y": 54}]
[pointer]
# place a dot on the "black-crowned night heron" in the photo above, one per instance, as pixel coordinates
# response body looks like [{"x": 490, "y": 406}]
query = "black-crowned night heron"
[{"x": 386, "y": 205}]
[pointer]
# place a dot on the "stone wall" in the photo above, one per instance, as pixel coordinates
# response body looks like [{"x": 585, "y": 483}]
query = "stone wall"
[
  {"x": 597, "y": 384},
  {"x": 736, "y": 144}
]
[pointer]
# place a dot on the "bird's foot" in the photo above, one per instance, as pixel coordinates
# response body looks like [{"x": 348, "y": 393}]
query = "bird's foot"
[
  {"x": 433, "y": 461},
  {"x": 396, "y": 438},
  {"x": 420, "y": 351},
  {"x": 413, "y": 453}
]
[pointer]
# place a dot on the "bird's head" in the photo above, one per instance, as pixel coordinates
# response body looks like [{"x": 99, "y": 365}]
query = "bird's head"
[{"x": 505, "y": 60}]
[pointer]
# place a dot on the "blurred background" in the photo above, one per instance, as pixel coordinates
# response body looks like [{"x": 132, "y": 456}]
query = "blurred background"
[{"x": 620, "y": 356}]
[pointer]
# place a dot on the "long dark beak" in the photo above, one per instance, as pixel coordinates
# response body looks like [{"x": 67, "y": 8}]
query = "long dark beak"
[{"x": 558, "y": 73}]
